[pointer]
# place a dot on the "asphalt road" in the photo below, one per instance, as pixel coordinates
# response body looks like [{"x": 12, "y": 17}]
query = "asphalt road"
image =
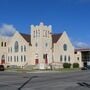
[{"x": 79, "y": 80}]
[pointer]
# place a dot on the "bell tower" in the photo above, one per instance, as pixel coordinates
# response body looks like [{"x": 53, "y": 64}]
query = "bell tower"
[{"x": 41, "y": 40}]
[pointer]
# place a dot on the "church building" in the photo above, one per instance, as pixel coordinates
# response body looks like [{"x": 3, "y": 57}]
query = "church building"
[{"x": 42, "y": 48}]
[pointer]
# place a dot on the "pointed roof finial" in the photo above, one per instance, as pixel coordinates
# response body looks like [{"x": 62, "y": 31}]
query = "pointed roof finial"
[{"x": 41, "y": 23}]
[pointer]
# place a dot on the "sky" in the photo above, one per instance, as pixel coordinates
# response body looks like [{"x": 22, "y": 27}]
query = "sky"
[{"x": 72, "y": 16}]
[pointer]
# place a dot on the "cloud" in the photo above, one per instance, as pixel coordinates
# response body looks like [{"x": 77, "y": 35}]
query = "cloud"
[
  {"x": 7, "y": 30},
  {"x": 79, "y": 44}
]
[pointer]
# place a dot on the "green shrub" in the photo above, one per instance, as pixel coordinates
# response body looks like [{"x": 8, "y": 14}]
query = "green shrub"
[
  {"x": 75, "y": 65},
  {"x": 66, "y": 65}
]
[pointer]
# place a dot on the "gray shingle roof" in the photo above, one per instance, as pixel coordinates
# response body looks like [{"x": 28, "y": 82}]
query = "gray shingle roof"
[
  {"x": 27, "y": 37},
  {"x": 55, "y": 37}
]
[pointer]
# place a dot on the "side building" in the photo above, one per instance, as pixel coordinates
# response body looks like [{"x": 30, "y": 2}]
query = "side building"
[{"x": 83, "y": 57}]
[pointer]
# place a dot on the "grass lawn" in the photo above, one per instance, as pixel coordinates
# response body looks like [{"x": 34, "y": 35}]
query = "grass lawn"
[
  {"x": 69, "y": 69},
  {"x": 55, "y": 70}
]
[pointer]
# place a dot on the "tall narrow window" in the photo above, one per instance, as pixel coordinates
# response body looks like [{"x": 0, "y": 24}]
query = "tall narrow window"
[
  {"x": 69, "y": 58},
  {"x": 38, "y": 33},
  {"x": 78, "y": 58},
  {"x": 48, "y": 34},
  {"x": 46, "y": 44},
  {"x": 21, "y": 58},
  {"x": 24, "y": 58},
  {"x": 8, "y": 49},
  {"x": 61, "y": 58},
  {"x": 65, "y": 58},
  {"x": 16, "y": 47},
  {"x": 5, "y": 44},
  {"x": 34, "y": 34},
  {"x": 2, "y": 44},
  {"x": 11, "y": 58},
  {"x": 24, "y": 48},
  {"x": 11, "y": 49},
  {"x": 65, "y": 47},
  {"x": 21, "y": 48},
  {"x": 17, "y": 58},
  {"x": 14, "y": 58},
  {"x": 8, "y": 58},
  {"x": 43, "y": 33},
  {"x": 36, "y": 44}
]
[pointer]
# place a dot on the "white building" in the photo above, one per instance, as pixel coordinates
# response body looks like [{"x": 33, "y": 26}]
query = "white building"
[{"x": 41, "y": 48}]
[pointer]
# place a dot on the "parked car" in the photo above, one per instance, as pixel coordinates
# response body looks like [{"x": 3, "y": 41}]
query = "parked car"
[
  {"x": 84, "y": 68},
  {"x": 2, "y": 68}
]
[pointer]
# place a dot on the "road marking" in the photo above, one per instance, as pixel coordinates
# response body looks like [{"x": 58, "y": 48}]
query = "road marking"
[
  {"x": 26, "y": 82},
  {"x": 84, "y": 84}
]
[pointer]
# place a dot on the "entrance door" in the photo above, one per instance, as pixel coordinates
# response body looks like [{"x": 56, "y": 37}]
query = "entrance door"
[
  {"x": 36, "y": 61},
  {"x": 3, "y": 59},
  {"x": 46, "y": 61},
  {"x": 45, "y": 58}
]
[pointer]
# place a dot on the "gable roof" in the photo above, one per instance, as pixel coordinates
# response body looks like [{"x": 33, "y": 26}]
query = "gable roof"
[
  {"x": 27, "y": 37},
  {"x": 55, "y": 37}
]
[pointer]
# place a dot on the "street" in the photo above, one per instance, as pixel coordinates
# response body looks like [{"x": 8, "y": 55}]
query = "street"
[{"x": 79, "y": 80}]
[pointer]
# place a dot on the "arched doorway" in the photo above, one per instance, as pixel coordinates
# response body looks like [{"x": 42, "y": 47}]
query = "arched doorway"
[
  {"x": 3, "y": 59},
  {"x": 36, "y": 60}
]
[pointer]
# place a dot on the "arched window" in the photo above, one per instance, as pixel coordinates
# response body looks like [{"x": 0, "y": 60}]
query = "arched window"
[
  {"x": 16, "y": 46},
  {"x": 65, "y": 47}
]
